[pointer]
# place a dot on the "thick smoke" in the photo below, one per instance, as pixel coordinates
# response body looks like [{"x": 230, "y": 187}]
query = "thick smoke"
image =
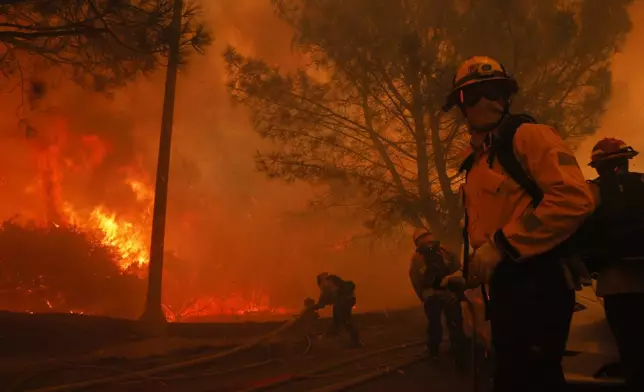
[
  {"x": 232, "y": 230},
  {"x": 625, "y": 116}
]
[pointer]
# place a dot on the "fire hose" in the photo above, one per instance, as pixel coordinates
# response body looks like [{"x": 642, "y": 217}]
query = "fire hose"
[
  {"x": 169, "y": 367},
  {"x": 458, "y": 287},
  {"x": 475, "y": 356},
  {"x": 337, "y": 364},
  {"x": 377, "y": 373}
]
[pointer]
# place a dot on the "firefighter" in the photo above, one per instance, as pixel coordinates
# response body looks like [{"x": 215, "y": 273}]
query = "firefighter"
[
  {"x": 341, "y": 294},
  {"x": 524, "y": 196},
  {"x": 431, "y": 268},
  {"x": 620, "y": 212}
]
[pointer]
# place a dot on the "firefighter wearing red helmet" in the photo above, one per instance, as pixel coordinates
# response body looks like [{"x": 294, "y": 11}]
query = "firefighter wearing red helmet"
[
  {"x": 618, "y": 228},
  {"x": 611, "y": 152},
  {"x": 430, "y": 270},
  {"x": 524, "y": 196}
]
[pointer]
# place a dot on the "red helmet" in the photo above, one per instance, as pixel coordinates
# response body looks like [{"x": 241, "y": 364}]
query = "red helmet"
[
  {"x": 420, "y": 233},
  {"x": 610, "y": 148}
]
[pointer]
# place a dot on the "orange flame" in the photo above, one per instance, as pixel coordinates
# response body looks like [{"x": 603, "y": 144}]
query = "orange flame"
[
  {"x": 233, "y": 305},
  {"x": 59, "y": 153},
  {"x": 123, "y": 236}
]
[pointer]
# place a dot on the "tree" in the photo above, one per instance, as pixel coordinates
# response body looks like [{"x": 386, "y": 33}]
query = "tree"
[
  {"x": 367, "y": 113},
  {"x": 104, "y": 43}
]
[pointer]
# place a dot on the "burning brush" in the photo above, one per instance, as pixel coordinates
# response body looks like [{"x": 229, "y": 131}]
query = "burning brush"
[{"x": 62, "y": 269}]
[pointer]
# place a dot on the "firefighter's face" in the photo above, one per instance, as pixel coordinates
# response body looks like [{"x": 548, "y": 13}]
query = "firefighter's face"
[
  {"x": 483, "y": 113},
  {"x": 620, "y": 165},
  {"x": 425, "y": 240},
  {"x": 483, "y": 103}
]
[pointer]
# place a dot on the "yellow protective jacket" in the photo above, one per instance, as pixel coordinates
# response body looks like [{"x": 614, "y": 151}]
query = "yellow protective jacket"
[{"x": 499, "y": 209}]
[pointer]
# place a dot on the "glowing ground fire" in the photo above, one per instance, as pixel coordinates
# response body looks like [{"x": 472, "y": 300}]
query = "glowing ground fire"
[
  {"x": 130, "y": 244},
  {"x": 60, "y": 154}
]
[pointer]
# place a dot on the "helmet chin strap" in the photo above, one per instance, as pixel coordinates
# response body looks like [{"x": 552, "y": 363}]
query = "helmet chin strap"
[{"x": 502, "y": 116}]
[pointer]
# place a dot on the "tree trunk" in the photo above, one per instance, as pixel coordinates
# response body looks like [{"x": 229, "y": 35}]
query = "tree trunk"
[{"x": 153, "y": 311}]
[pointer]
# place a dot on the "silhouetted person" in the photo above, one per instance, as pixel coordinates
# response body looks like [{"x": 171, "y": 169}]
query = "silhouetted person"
[
  {"x": 618, "y": 256},
  {"x": 341, "y": 295}
]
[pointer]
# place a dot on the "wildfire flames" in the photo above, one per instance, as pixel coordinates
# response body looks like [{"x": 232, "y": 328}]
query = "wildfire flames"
[
  {"x": 60, "y": 153},
  {"x": 231, "y": 306},
  {"x": 125, "y": 237}
]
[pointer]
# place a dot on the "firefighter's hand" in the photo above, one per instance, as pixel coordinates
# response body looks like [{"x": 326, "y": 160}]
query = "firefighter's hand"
[
  {"x": 457, "y": 284},
  {"x": 484, "y": 261}
]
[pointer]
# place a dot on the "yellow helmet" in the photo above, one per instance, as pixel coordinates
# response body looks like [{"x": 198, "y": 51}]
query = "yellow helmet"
[{"x": 478, "y": 69}]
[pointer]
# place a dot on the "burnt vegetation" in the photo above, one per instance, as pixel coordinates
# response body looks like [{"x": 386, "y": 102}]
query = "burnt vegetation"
[
  {"x": 364, "y": 119},
  {"x": 63, "y": 269},
  {"x": 101, "y": 43}
]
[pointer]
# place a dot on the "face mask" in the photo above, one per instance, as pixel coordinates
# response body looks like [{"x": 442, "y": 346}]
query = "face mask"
[{"x": 483, "y": 114}]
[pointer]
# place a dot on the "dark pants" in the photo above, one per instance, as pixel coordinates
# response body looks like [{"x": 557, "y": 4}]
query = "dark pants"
[
  {"x": 623, "y": 316},
  {"x": 435, "y": 306},
  {"x": 531, "y": 307},
  {"x": 342, "y": 315}
]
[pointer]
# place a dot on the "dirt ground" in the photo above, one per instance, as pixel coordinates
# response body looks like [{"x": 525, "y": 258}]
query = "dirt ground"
[
  {"x": 52, "y": 349},
  {"x": 39, "y": 351}
]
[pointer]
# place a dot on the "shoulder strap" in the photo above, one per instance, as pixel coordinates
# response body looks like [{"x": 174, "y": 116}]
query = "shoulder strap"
[
  {"x": 466, "y": 166},
  {"x": 503, "y": 150}
]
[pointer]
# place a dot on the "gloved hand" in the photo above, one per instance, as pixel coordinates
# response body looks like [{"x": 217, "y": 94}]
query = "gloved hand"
[
  {"x": 483, "y": 262},
  {"x": 457, "y": 284}
]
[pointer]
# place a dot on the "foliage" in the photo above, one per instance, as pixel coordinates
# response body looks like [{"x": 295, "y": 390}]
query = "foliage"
[
  {"x": 103, "y": 42},
  {"x": 62, "y": 269},
  {"x": 365, "y": 117}
]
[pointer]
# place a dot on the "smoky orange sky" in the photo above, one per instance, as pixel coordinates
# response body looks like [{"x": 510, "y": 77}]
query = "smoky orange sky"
[
  {"x": 235, "y": 230},
  {"x": 624, "y": 118}
]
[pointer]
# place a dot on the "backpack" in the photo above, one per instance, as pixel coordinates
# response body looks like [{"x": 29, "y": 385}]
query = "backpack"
[
  {"x": 615, "y": 230},
  {"x": 349, "y": 287},
  {"x": 435, "y": 267}
]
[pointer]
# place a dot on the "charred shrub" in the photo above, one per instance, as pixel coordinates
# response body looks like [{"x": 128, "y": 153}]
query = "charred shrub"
[{"x": 63, "y": 269}]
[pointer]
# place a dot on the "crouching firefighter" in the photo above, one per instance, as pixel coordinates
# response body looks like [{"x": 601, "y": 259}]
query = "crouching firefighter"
[
  {"x": 524, "y": 196},
  {"x": 613, "y": 245},
  {"x": 341, "y": 294},
  {"x": 431, "y": 267}
]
